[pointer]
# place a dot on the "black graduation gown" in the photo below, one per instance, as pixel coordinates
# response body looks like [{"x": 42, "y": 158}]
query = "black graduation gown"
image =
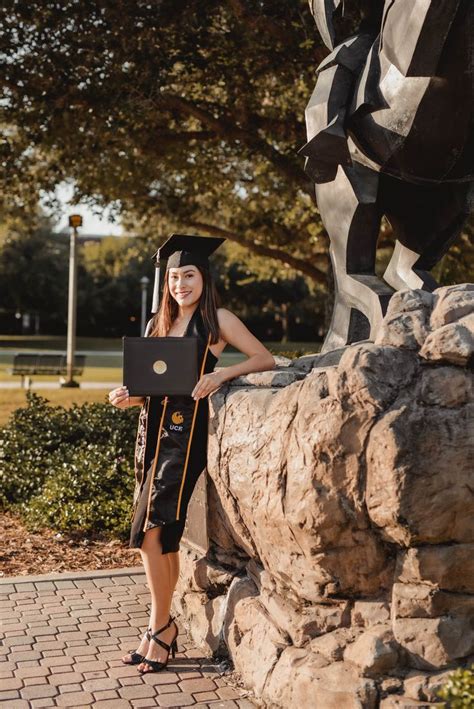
[{"x": 170, "y": 454}]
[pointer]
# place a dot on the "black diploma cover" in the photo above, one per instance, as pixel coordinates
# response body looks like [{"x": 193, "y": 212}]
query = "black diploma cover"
[{"x": 155, "y": 366}]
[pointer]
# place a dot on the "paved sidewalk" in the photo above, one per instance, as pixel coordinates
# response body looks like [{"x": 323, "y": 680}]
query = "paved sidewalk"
[{"x": 63, "y": 636}]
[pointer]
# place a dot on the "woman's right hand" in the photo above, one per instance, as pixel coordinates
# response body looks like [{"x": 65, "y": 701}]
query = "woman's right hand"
[
  {"x": 122, "y": 400},
  {"x": 120, "y": 397}
]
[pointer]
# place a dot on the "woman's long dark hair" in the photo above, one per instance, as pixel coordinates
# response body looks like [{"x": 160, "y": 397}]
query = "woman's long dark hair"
[{"x": 208, "y": 304}]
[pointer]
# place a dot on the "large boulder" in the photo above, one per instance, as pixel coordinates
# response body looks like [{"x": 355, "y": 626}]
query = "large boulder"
[
  {"x": 448, "y": 567},
  {"x": 375, "y": 652},
  {"x": 419, "y": 468},
  {"x": 308, "y": 681},
  {"x": 340, "y": 567},
  {"x": 407, "y": 321},
  {"x": 302, "y": 493},
  {"x": 434, "y": 643}
]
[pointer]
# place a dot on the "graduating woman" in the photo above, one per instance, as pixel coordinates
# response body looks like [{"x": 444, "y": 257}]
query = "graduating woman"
[{"x": 171, "y": 446}]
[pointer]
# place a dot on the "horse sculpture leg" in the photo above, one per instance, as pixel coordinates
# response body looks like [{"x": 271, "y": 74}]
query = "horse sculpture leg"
[
  {"x": 349, "y": 211},
  {"x": 425, "y": 219}
]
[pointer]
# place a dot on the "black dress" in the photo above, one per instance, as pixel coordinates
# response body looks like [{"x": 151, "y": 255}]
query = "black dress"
[{"x": 170, "y": 454}]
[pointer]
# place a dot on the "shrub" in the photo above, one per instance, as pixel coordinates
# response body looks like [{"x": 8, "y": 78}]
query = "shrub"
[
  {"x": 26, "y": 446},
  {"x": 290, "y": 354},
  {"x": 89, "y": 491},
  {"x": 458, "y": 691},
  {"x": 70, "y": 470}
]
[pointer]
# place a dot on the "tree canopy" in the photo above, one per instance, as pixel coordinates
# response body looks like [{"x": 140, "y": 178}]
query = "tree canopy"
[
  {"x": 182, "y": 114},
  {"x": 34, "y": 280}
]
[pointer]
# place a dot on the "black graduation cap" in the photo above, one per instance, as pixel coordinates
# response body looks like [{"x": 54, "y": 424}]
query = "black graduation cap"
[{"x": 182, "y": 250}]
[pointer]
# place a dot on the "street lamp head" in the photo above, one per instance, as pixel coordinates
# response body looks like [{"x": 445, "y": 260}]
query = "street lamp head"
[
  {"x": 144, "y": 281},
  {"x": 75, "y": 220}
]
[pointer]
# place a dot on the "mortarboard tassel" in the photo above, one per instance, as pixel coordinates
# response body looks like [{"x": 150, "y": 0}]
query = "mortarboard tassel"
[{"x": 155, "y": 303}]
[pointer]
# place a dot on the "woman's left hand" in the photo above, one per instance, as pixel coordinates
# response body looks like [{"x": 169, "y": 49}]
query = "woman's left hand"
[{"x": 207, "y": 384}]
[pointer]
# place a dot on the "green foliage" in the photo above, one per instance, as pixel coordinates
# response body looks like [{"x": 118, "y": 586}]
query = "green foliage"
[
  {"x": 273, "y": 307},
  {"x": 34, "y": 266},
  {"x": 291, "y": 354},
  {"x": 181, "y": 115},
  {"x": 34, "y": 270},
  {"x": 458, "y": 691},
  {"x": 457, "y": 266},
  {"x": 90, "y": 491},
  {"x": 33, "y": 278},
  {"x": 70, "y": 470}
]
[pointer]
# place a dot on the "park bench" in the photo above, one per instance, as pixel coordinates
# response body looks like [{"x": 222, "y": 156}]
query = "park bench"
[{"x": 27, "y": 364}]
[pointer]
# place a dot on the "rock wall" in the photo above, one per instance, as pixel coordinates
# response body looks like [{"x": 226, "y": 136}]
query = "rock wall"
[{"x": 340, "y": 571}]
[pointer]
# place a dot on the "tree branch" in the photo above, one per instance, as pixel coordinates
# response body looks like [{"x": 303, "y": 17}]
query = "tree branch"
[
  {"x": 259, "y": 24},
  {"x": 160, "y": 138},
  {"x": 225, "y": 128},
  {"x": 298, "y": 264}
]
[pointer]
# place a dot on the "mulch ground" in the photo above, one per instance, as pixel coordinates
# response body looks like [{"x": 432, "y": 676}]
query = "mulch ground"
[{"x": 23, "y": 552}]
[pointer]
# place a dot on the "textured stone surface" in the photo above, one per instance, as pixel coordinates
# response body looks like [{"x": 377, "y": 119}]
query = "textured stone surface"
[
  {"x": 452, "y": 303},
  {"x": 450, "y": 336},
  {"x": 417, "y": 453},
  {"x": 374, "y": 652},
  {"x": 444, "y": 387},
  {"x": 397, "y": 702},
  {"x": 301, "y": 681},
  {"x": 302, "y": 493},
  {"x": 368, "y": 613},
  {"x": 424, "y": 685},
  {"x": 302, "y": 622},
  {"x": 440, "y": 323},
  {"x": 340, "y": 496},
  {"x": 331, "y": 645},
  {"x": 451, "y": 343},
  {"x": 250, "y": 629},
  {"x": 451, "y": 568},
  {"x": 421, "y": 601},
  {"x": 407, "y": 320},
  {"x": 205, "y": 617},
  {"x": 318, "y": 361},
  {"x": 434, "y": 643}
]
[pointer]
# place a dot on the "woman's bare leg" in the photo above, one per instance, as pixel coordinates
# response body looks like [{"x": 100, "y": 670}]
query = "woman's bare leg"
[
  {"x": 160, "y": 573},
  {"x": 173, "y": 558}
]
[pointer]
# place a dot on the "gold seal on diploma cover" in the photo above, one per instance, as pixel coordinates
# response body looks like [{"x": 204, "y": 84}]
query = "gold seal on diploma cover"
[{"x": 159, "y": 367}]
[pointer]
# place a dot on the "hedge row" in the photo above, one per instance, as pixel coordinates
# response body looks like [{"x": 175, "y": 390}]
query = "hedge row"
[{"x": 69, "y": 469}]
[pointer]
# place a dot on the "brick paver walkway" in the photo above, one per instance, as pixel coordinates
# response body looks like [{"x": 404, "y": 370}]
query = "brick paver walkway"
[{"x": 63, "y": 636}]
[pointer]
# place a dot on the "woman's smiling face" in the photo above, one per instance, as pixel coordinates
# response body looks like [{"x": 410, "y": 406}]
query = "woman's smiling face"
[{"x": 185, "y": 284}]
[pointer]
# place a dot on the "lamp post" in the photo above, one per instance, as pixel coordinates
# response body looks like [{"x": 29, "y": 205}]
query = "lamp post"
[
  {"x": 75, "y": 221},
  {"x": 144, "y": 284}
]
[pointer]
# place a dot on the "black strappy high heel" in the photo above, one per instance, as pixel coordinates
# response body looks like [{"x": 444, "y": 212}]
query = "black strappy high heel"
[
  {"x": 136, "y": 656},
  {"x": 156, "y": 665}
]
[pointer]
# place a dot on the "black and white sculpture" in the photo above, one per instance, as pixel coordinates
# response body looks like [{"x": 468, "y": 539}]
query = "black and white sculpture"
[{"x": 390, "y": 132}]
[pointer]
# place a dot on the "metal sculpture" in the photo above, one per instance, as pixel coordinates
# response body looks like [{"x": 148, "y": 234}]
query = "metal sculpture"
[{"x": 390, "y": 132}]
